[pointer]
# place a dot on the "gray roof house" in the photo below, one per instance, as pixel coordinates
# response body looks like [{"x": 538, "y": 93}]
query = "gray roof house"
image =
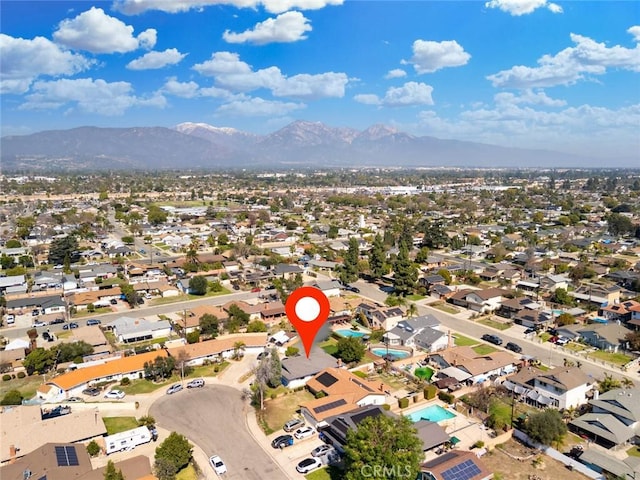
[
  {"x": 614, "y": 418},
  {"x": 607, "y": 337},
  {"x": 421, "y": 332},
  {"x": 297, "y": 370},
  {"x": 128, "y": 330}
]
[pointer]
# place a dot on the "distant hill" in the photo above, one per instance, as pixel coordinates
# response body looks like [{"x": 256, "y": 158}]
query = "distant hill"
[{"x": 299, "y": 144}]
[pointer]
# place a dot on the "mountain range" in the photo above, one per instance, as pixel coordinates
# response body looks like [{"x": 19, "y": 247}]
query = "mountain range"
[{"x": 300, "y": 144}]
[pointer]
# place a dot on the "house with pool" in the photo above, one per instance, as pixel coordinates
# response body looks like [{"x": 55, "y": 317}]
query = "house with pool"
[
  {"x": 418, "y": 332},
  {"x": 380, "y": 317},
  {"x": 480, "y": 368}
]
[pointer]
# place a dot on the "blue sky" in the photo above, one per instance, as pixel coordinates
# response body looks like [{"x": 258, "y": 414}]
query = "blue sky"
[{"x": 526, "y": 73}]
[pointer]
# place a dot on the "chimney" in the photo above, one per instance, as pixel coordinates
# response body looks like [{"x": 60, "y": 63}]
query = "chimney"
[{"x": 12, "y": 453}]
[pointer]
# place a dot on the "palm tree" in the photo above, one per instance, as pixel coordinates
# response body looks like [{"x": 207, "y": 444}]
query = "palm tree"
[
  {"x": 412, "y": 310},
  {"x": 238, "y": 347},
  {"x": 192, "y": 252}
]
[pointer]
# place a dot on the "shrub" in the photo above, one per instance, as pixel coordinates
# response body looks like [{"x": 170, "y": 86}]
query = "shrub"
[
  {"x": 21, "y": 374},
  {"x": 386, "y": 406},
  {"x": 6, "y": 377},
  {"x": 403, "y": 402},
  {"x": 216, "y": 368},
  {"x": 125, "y": 381},
  {"x": 430, "y": 392},
  {"x": 360, "y": 374},
  {"x": 446, "y": 397},
  {"x": 274, "y": 395},
  {"x": 93, "y": 448},
  {"x": 478, "y": 444},
  {"x": 415, "y": 399},
  {"x": 12, "y": 397},
  {"x": 320, "y": 394}
]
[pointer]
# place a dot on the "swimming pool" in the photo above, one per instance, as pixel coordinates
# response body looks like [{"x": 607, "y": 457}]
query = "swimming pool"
[
  {"x": 433, "y": 413},
  {"x": 351, "y": 333},
  {"x": 396, "y": 354}
]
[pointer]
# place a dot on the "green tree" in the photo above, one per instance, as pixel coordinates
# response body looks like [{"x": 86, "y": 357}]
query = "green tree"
[
  {"x": 198, "y": 285},
  {"x": 128, "y": 240},
  {"x": 619, "y": 224},
  {"x": 72, "y": 351},
  {"x": 275, "y": 368},
  {"x": 237, "y": 318},
  {"x": 256, "y": 326},
  {"x": 110, "y": 473},
  {"x": 378, "y": 258},
  {"x": 446, "y": 274},
  {"x": 13, "y": 243},
  {"x": 130, "y": 295},
  {"x": 350, "y": 349},
  {"x": 633, "y": 339},
  {"x": 565, "y": 319},
  {"x": 156, "y": 215},
  {"x": 546, "y": 427},
  {"x": 405, "y": 273},
  {"x": 12, "y": 397},
  {"x": 93, "y": 449},
  {"x": 291, "y": 351},
  {"x": 333, "y": 232},
  {"x": 383, "y": 448},
  {"x": 6, "y": 262},
  {"x": 435, "y": 235},
  {"x": 209, "y": 325},
  {"x": 422, "y": 255},
  {"x": 176, "y": 451},
  {"x": 63, "y": 248},
  {"x": 39, "y": 360},
  {"x": 562, "y": 297},
  {"x": 608, "y": 383},
  {"x": 348, "y": 272},
  {"x": 160, "y": 368}
]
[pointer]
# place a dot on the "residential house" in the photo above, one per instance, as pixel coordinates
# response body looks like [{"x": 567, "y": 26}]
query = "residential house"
[
  {"x": 11, "y": 359},
  {"x": 191, "y": 321},
  {"x": 431, "y": 434},
  {"x": 48, "y": 303},
  {"x": 341, "y": 391},
  {"x": 482, "y": 301},
  {"x": 24, "y": 429},
  {"x": 598, "y": 295},
  {"x": 331, "y": 288},
  {"x": 286, "y": 271},
  {"x": 479, "y": 367},
  {"x": 608, "y": 337},
  {"x": 431, "y": 281},
  {"x": 72, "y": 383},
  {"x": 614, "y": 420},
  {"x": 533, "y": 319},
  {"x": 97, "y": 298},
  {"x": 13, "y": 284},
  {"x": 549, "y": 283},
  {"x": 298, "y": 370},
  {"x": 94, "y": 336},
  {"x": 43, "y": 280},
  {"x": 335, "y": 431},
  {"x": 620, "y": 312},
  {"x": 380, "y": 317},
  {"x": 130, "y": 330},
  {"x": 510, "y": 307},
  {"x": 272, "y": 313},
  {"x": 418, "y": 332},
  {"x": 561, "y": 387},
  {"x": 453, "y": 465},
  {"x": 220, "y": 348}
]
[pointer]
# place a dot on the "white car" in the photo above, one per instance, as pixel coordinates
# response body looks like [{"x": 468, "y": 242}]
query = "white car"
[
  {"x": 115, "y": 394},
  {"x": 217, "y": 464},
  {"x": 308, "y": 464},
  {"x": 321, "y": 450},
  {"x": 39, "y": 324},
  {"x": 304, "y": 432},
  {"x": 196, "y": 383}
]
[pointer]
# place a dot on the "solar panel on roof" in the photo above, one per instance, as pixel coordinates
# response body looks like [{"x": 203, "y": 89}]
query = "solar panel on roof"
[
  {"x": 463, "y": 471},
  {"x": 330, "y": 405},
  {"x": 326, "y": 379},
  {"x": 66, "y": 456}
]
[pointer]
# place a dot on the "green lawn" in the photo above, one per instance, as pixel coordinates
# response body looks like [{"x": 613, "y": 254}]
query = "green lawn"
[
  {"x": 326, "y": 473},
  {"x": 283, "y": 408},
  {"x": 187, "y": 473},
  {"x": 147, "y": 386},
  {"x": 27, "y": 386},
  {"x": 224, "y": 291},
  {"x": 634, "y": 451},
  {"x": 119, "y": 424},
  {"x": 462, "y": 341},
  {"x": 617, "y": 358},
  {"x": 494, "y": 324},
  {"x": 575, "y": 347},
  {"x": 415, "y": 297},
  {"x": 97, "y": 311},
  {"x": 484, "y": 349},
  {"x": 330, "y": 346},
  {"x": 445, "y": 307}
]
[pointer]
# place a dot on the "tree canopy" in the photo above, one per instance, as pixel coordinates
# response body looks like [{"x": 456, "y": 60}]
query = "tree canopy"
[
  {"x": 383, "y": 448},
  {"x": 172, "y": 455},
  {"x": 546, "y": 427},
  {"x": 63, "y": 248},
  {"x": 350, "y": 349},
  {"x": 198, "y": 285},
  {"x": 209, "y": 325}
]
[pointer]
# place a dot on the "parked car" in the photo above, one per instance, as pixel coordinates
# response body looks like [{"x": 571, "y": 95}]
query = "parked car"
[
  {"x": 74, "y": 400},
  {"x": 11, "y": 319},
  {"x": 530, "y": 330},
  {"x": 174, "y": 388},
  {"x": 113, "y": 301},
  {"x": 514, "y": 347},
  {"x": 255, "y": 290},
  {"x": 114, "y": 394},
  {"x": 293, "y": 424},
  {"x": 70, "y": 325},
  {"x": 491, "y": 338},
  {"x": 93, "y": 321},
  {"x": 196, "y": 383},
  {"x": 35, "y": 313},
  {"x": 217, "y": 464},
  {"x": 321, "y": 450},
  {"x": 282, "y": 441},
  {"x": 91, "y": 391},
  {"x": 562, "y": 340},
  {"x": 56, "y": 321},
  {"x": 304, "y": 432},
  {"x": 48, "y": 336},
  {"x": 39, "y": 324},
  {"x": 308, "y": 464}
]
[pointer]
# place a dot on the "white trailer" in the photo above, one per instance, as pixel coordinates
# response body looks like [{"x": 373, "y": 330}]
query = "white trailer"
[{"x": 127, "y": 440}]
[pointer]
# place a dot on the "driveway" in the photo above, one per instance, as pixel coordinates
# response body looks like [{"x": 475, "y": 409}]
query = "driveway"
[{"x": 213, "y": 418}]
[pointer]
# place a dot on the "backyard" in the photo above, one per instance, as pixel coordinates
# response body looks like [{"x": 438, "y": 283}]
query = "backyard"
[
  {"x": 119, "y": 424},
  {"x": 27, "y": 386},
  {"x": 278, "y": 410}
]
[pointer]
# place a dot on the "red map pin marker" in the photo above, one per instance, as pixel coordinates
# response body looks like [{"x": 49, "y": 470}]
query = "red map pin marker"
[{"x": 307, "y": 309}]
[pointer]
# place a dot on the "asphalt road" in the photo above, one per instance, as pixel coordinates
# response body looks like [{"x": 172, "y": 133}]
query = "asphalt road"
[{"x": 213, "y": 417}]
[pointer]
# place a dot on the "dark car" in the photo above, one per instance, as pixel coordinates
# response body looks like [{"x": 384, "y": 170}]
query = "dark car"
[
  {"x": 514, "y": 347},
  {"x": 113, "y": 301},
  {"x": 55, "y": 321},
  {"x": 491, "y": 338},
  {"x": 69, "y": 326},
  {"x": 530, "y": 330},
  {"x": 93, "y": 321},
  {"x": 91, "y": 391},
  {"x": 352, "y": 289},
  {"x": 282, "y": 441}
]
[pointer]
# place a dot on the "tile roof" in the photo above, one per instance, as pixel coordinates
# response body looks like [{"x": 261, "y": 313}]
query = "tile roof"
[
  {"x": 219, "y": 345},
  {"x": 80, "y": 376}
]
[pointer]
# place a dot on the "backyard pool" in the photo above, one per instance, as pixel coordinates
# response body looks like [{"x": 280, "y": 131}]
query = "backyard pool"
[
  {"x": 433, "y": 413},
  {"x": 347, "y": 332},
  {"x": 396, "y": 354}
]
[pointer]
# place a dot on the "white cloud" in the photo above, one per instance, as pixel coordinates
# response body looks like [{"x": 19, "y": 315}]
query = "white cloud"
[
  {"x": 285, "y": 28},
  {"x": 97, "y": 32},
  {"x": 410, "y": 94},
  {"x": 635, "y": 32},
  {"x": 134, "y": 7},
  {"x": 368, "y": 99},
  {"x": 87, "y": 95},
  {"x": 233, "y": 74},
  {"x": 586, "y": 130},
  {"x": 155, "y": 60},
  {"x": 522, "y": 7},
  {"x": 429, "y": 57},
  {"x": 181, "y": 89},
  {"x": 570, "y": 65},
  {"x": 258, "y": 107},
  {"x": 395, "y": 73},
  {"x": 528, "y": 97},
  {"x": 25, "y": 60}
]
